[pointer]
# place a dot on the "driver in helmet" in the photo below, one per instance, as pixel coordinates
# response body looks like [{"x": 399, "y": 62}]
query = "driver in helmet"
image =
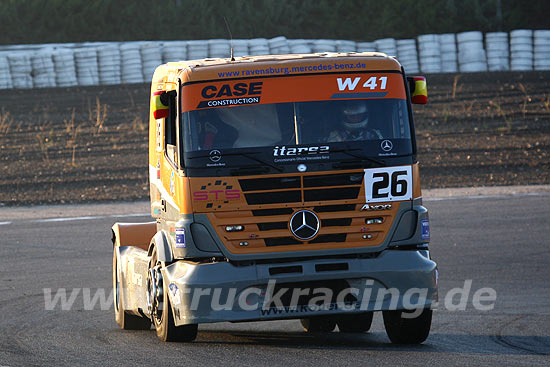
[{"x": 354, "y": 123}]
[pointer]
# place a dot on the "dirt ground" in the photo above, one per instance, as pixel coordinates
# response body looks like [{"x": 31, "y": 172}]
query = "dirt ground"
[{"x": 67, "y": 145}]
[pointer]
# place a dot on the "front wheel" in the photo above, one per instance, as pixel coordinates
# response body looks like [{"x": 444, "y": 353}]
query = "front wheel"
[
  {"x": 160, "y": 309},
  {"x": 406, "y": 330},
  {"x": 123, "y": 319}
]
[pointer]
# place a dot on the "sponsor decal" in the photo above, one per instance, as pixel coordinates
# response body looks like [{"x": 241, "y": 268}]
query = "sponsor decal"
[
  {"x": 371, "y": 83},
  {"x": 425, "y": 225},
  {"x": 158, "y": 168},
  {"x": 293, "y": 70},
  {"x": 215, "y": 94},
  {"x": 204, "y": 195},
  {"x": 296, "y": 154},
  {"x": 231, "y": 94},
  {"x": 362, "y": 87},
  {"x": 283, "y": 151},
  {"x": 388, "y": 184},
  {"x": 172, "y": 183},
  {"x": 175, "y": 291},
  {"x": 159, "y": 134},
  {"x": 370, "y": 207},
  {"x": 180, "y": 237},
  {"x": 229, "y": 102},
  {"x": 235, "y": 90}
]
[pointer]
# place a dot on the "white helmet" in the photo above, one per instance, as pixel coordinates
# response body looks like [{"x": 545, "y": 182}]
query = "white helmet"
[{"x": 355, "y": 114}]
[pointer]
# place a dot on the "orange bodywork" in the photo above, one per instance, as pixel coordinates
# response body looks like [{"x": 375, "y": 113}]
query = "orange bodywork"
[
  {"x": 224, "y": 200},
  {"x": 134, "y": 234}
]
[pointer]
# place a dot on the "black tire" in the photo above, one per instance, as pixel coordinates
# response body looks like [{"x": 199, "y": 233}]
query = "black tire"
[
  {"x": 402, "y": 330},
  {"x": 319, "y": 324},
  {"x": 164, "y": 324},
  {"x": 123, "y": 319},
  {"x": 355, "y": 323}
]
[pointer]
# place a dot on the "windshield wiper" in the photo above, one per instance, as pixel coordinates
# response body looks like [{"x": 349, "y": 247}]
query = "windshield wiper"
[{"x": 247, "y": 155}]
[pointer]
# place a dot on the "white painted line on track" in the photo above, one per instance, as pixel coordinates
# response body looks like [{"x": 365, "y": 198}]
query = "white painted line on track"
[
  {"x": 476, "y": 197},
  {"x": 69, "y": 219},
  {"x": 72, "y": 219},
  {"x": 129, "y": 215}
]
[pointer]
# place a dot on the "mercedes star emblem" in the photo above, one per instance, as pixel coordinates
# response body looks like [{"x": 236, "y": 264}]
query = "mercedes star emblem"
[
  {"x": 304, "y": 224},
  {"x": 215, "y": 155},
  {"x": 386, "y": 145}
]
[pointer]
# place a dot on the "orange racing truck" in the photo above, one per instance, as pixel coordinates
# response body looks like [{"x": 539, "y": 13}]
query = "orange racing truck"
[{"x": 282, "y": 187}]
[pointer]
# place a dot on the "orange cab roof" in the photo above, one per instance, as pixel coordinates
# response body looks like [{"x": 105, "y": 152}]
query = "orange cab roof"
[{"x": 211, "y": 69}]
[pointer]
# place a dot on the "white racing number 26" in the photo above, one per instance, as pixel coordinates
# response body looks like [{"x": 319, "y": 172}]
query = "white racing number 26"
[{"x": 388, "y": 184}]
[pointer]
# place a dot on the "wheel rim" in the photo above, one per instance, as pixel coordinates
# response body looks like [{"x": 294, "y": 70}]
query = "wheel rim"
[{"x": 155, "y": 293}]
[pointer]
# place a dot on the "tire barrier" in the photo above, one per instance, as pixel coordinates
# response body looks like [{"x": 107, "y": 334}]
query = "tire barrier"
[
  {"x": 65, "y": 69},
  {"x": 299, "y": 46},
  {"x": 87, "y": 72},
  {"x": 407, "y": 55},
  {"x": 521, "y": 50},
  {"x": 240, "y": 48},
  {"x": 387, "y": 46},
  {"x": 430, "y": 53},
  {"x": 21, "y": 69},
  {"x": 278, "y": 45},
  {"x": 449, "y": 53},
  {"x": 496, "y": 44},
  {"x": 107, "y": 63},
  {"x": 257, "y": 46},
  {"x": 197, "y": 50},
  {"x": 5, "y": 76},
  {"x": 346, "y": 46},
  {"x": 151, "y": 57},
  {"x": 218, "y": 48},
  {"x": 130, "y": 63},
  {"x": 542, "y": 50},
  {"x": 324, "y": 46},
  {"x": 43, "y": 73},
  {"x": 366, "y": 46},
  {"x": 471, "y": 54},
  {"x": 174, "y": 51}
]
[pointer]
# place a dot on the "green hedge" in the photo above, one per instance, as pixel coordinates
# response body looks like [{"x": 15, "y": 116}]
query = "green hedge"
[{"x": 43, "y": 21}]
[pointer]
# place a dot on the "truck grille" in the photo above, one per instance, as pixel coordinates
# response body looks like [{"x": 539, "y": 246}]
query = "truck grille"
[
  {"x": 335, "y": 198},
  {"x": 283, "y": 189}
]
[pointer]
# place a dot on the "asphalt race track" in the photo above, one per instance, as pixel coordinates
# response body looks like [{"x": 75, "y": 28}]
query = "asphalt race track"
[{"x": 500, "y": 242}]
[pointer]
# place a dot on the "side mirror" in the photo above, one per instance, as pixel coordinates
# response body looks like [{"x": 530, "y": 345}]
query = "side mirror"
[
  {"x": 161, "y": 103},
  {"x": 418, "y": 88}
]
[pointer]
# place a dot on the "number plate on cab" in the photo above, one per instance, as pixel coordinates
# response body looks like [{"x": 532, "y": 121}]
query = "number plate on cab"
[{"x": 388, "y": 184}]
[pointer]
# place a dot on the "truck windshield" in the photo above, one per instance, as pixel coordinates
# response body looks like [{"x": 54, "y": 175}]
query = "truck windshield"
[{"x": 317, "y": 122}]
